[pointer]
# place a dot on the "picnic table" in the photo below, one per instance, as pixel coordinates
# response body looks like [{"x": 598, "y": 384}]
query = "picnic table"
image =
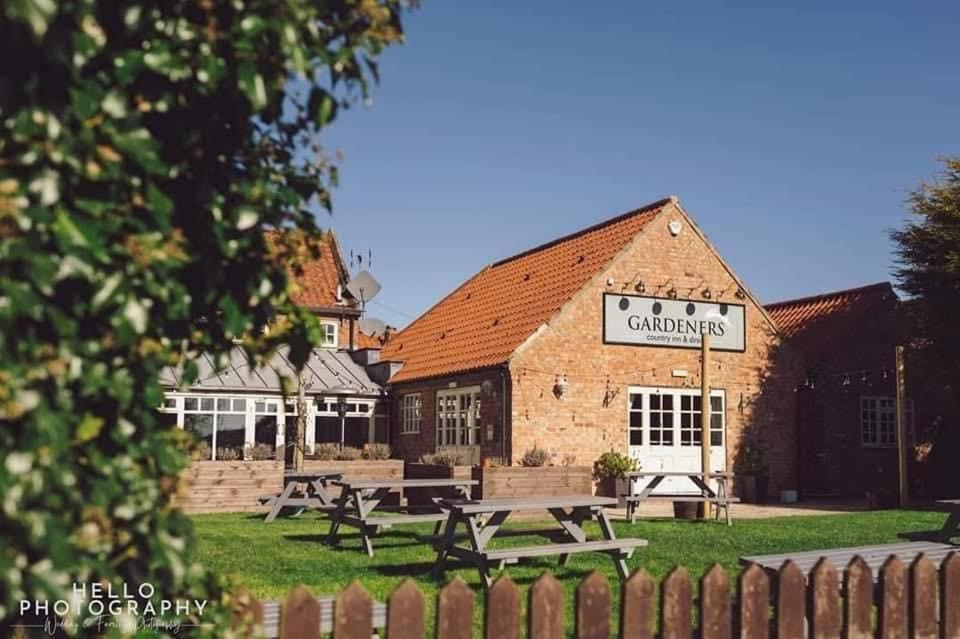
[
  {"x": 719, "y": 497},
  {"x": 482, "y": 520},
  {"x": 951, "y": 528},
  {"x": 314, "y": 495},
  {"x": 874, "y": 556},
  {"x": 359, "y": 499}
]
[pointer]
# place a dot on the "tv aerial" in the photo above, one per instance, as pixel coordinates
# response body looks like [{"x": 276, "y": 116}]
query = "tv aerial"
[
  {"x": 373, "y": 327},
  {"x": 365, "y": 287}
]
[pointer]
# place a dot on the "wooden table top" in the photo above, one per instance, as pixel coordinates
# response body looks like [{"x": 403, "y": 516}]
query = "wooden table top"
[
  {"x": 526, "y": 503},
  {"x": 875, "y": 556},
  {"x": 312, "y": 474},
  {"x": 403, "y": 483},
  {"x": 678, "y": 473}
]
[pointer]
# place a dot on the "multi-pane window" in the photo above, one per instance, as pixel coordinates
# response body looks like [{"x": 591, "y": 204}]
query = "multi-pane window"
[
  {"x": 878, "y": 421},
  {"x": 410, "y": 413},
  {"x": 661, "y": 419},
  {"x": 265, "y": 423},
  {"x": 458, "y": 417},
  {"x": 635, "y": 423},
  {"x": 672, "y": 416},
  {"x": 329, "y": 332},
  {"x": 220, "y": 422}
]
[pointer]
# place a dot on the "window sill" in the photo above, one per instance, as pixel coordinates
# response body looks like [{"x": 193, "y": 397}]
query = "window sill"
[{"x": 410, "y": 432}]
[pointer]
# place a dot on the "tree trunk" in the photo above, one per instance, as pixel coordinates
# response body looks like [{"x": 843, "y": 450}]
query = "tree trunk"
[{"x": 300, "y": 439}]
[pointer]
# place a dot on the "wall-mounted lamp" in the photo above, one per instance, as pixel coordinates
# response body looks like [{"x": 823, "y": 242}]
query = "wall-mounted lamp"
[
  {"x": 706, "y": 293},
  {"x": 740, "y": 294},
  {"x": 640, "y": 287},
  {"x": 560, "y": 386},
  {"x": 487, "y": 388},
  {"x": 672, "y": 293}
]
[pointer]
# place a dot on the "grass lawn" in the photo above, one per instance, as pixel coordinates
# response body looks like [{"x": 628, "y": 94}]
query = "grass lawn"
[{"x": 270, "y": 558}]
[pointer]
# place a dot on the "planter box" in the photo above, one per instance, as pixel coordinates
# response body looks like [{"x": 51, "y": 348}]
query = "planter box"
[
  {"x": 520, "y": 481},
  {"x": 687, "y": 510},
  {"x": 424, "y": 496},
  {"x": 227, "y": 486}
]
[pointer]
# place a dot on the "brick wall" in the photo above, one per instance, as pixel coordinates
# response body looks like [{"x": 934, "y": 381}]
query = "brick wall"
[
  {"x": 411, "y": 446},
  {"x": 760, "y": 384}
]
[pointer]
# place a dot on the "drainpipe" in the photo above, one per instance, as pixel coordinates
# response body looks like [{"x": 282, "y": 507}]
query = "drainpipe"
[{"x": 504, "y": 371}]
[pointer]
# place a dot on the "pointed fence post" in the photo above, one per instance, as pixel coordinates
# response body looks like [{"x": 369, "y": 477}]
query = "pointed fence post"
[
  {"x": 300, "y": 615},
  {"x": 247, "y": 613},
  {"x": 637, "y": 598},
  {"x": 715, "y": 611},
  {"x": 502, "y": 619},
  {"x": 791, "y": 601},
  {"x": 593, "y": 607},
  {"x": 754, "y": 621},
  {"x": 858, "y": 603},
  {"x": 826, "y": 608},
  {"x": 405, "y": 606},
  {"x": 923, "y": 598},
  {"x": 675, "y": 605},
  {"x": 892, "y": 616},
  {"x": 545, "y": 609},
  {"x": 950, "y": 596},
  {"x": 353, "y": 613},
  {"x": 455, "y": 611}
]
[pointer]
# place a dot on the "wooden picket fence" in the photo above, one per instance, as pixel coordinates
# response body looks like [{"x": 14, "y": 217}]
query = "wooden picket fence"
[{"x": 907, "y": 601}]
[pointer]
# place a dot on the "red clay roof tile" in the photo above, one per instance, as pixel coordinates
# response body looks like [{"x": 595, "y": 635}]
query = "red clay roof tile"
[{"x": 482, "y": 322}]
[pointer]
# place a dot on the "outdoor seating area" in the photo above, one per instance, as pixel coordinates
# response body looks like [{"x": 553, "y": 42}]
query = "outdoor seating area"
[{"x": 719, "y": 497}]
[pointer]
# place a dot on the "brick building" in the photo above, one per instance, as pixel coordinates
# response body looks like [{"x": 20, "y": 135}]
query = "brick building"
[
  {"x": 846, "y": 405},
  {"x": 590, "y": 343}
]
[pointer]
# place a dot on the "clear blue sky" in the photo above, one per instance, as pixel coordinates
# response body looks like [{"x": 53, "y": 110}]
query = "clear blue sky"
[{"x": 791, "y": 135}]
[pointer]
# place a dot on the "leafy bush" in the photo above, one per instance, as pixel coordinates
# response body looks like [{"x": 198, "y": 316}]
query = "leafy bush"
[
  {"x": 612, "y": 464},
  {"x": 535, "y": 457},
  {"x": 751, "y": 458},
  {"x": 348, "y": 453},
  {"x": 145, "y": 149},
  {"x": 201, "y": 452},
  {"x": 261, "y": 452},
  {"x": 445, "y": 458},
  {"x": 228, "y": 454},
  {"x": 326, "y": 452},
  {"x": 376, "y": 451}
]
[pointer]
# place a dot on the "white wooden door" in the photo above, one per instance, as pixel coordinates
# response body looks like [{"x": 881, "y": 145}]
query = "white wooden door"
[{"x": 664, "y": 433}]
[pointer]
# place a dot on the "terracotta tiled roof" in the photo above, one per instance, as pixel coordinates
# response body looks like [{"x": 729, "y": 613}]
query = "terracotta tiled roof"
[
  {"x": 366, "y": 341},
  {"x": 483, "y": 322},
  {"x": 316, "y": 286},
  {"x": 816, "y": 323}
]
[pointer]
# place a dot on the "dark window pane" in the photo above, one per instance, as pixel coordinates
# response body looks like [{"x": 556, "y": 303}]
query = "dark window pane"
[
  {"x": 667, "y": 402},
  {"x": 202, "y": 427},
  {"x": 684, "y": 402},
  {"x": 206, "y": 403},
  {"x": 636, "y": 402},
  {"x": 655, "y": 402},
  {"x": 265, "y": 430},
  {"x": 636, "y": 437},
  {"x": 668, "y": 437},
  {"x": 697, "y": 421},
  {"x": 326, "y": 430},
  {"x": 655, "y": 438},
  {"x": 668, "y": 420},
  {"x": 716, "y": 404},
  {"x": 716, "y": 422},
  {"x": 190, "y": 403},
  {"x": 230, "y": 434},
  {"x": 167, "y": 419},
  {"x": 716, "y": 438},
  {"x": 636, "y": 420},
  {"x": 655, "y": 420},
  {"x": 696, "y": 402}
]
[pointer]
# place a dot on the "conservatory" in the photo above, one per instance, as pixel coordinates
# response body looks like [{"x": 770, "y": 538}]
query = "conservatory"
[{"x": 239, "y": 412}]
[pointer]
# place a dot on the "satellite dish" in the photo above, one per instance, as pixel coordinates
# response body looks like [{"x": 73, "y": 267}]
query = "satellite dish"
[
  {"x": 363, "y": 286},
  {"x": 372, "y": 327}
]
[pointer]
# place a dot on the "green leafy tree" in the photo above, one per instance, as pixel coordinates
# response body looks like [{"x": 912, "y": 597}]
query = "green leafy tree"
[
  {"x": 928, "y": 252},
  {"x": 145, "y": 149}
]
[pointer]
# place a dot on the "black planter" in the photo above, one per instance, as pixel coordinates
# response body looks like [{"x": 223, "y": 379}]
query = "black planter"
[
  {"x": 613, "y": 487},
  {"x": 752, "y": 489}
]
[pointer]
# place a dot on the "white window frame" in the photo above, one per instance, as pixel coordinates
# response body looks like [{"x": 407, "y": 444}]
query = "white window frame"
[
  {"x": 457, "y": 425},
  {"x": 331, "y": 336},
  {"x": 175, "y": 404},
  {"x": 411, "y": 413},
  {"x": 884, "y": 406},
  {"x": 677, "y": 413}
]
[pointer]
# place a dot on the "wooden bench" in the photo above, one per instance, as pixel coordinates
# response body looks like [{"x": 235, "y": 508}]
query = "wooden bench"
[
  {"x": 721, "y": 503},
  {"x": 706, "y": 494},
  {"x": 620, "y": 547}
]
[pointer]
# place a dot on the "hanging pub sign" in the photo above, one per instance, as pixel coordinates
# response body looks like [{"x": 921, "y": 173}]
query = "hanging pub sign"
[{"x": 654, "y": 321}]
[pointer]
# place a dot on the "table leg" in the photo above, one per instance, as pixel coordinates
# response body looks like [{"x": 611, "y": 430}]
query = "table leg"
[
  {"x": 952, "y": 526},
  {"x": 365, "y": 535},
  {"x": 279, "y": 501},
  {"x": 642, "y": 496},
  {"x": 478, "y": 541},
  {"x": 606, "y": 528},
  {"x": 319, "y": 486},
  {"x": 337, "y": 517},
  {"x": 446, "y": 543}
]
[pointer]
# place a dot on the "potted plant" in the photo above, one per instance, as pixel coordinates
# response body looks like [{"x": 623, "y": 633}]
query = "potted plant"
[
  {"x": 610, "y": 470},
  {"x": 752, "y": 478}
]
